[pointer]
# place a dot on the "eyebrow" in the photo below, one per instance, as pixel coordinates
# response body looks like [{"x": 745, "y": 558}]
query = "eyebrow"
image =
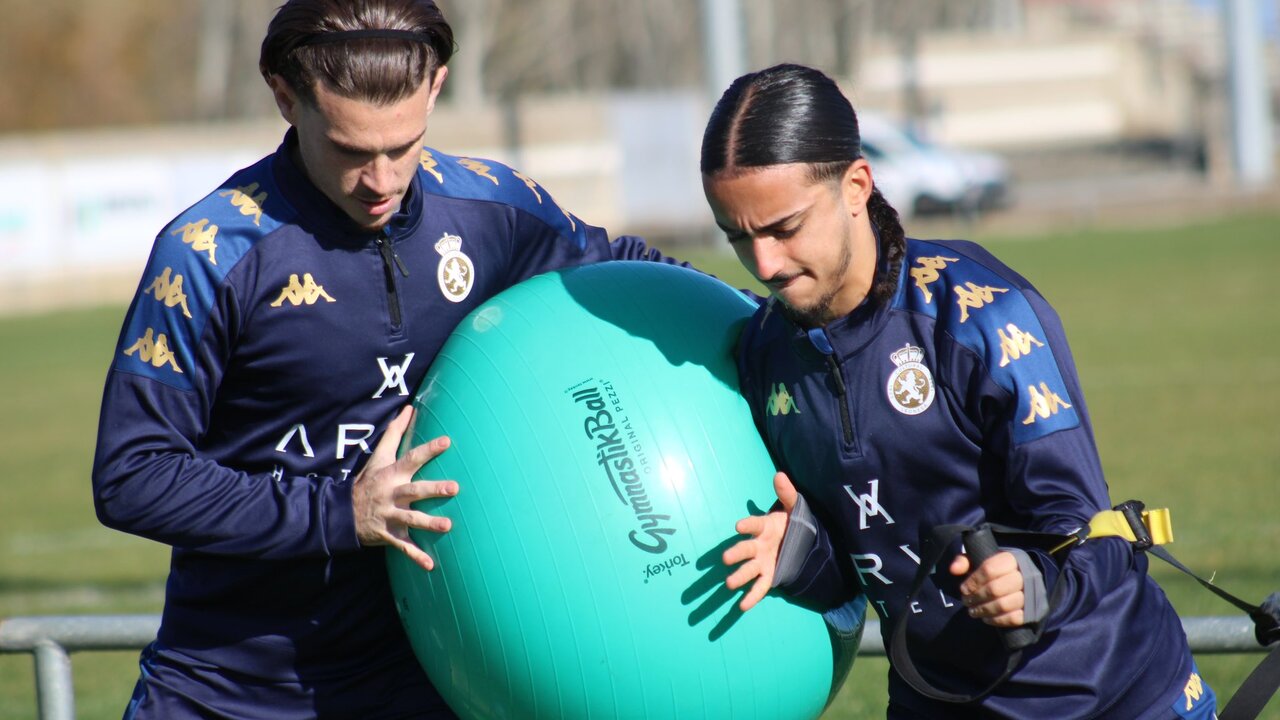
[
  {"x": 772, "y": 226},
  {"x": 362, "y": 151}
]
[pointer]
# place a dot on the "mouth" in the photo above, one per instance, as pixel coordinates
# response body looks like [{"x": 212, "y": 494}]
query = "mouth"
[
  {"x": 379, "y": 206},
  {"x": 780, "y": 282}
]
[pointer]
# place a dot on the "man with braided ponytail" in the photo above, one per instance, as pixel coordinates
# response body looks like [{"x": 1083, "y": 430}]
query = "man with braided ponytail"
[
  {"x": 253, "y": 426},
  {"x": 903, "y": 385}
]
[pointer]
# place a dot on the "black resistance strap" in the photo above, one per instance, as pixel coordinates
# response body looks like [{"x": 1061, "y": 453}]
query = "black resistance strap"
[{"x": 1146, "y": 532}]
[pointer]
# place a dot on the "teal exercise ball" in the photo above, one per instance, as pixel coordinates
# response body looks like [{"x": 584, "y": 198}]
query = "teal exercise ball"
[{"x": 603, "y": 455}]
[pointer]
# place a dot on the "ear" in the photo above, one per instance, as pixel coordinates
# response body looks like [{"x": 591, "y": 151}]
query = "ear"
[
  {"x": 286, "y": 99},
  {"x": 437, "y": 82},
  {"x": 856, "y": 185}
]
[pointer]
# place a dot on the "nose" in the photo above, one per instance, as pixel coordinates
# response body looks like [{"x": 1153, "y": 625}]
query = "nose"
[
  {"x": 379, "y": 176},
  {"x": 766, "y": 253}
]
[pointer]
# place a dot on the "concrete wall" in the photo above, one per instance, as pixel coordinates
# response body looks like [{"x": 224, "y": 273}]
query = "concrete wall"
[{"x": 1019, "y": 92}]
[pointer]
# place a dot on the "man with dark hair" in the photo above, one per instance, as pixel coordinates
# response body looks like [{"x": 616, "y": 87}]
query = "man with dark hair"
[
  {"x": 242, "y": 424},
  {"x": 904, "y": 386}
]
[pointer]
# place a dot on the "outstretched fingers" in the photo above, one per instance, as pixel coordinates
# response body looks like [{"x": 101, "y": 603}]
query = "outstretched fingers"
[
  {"x": 420, "y": 455},
  {"x": 741, "y": 551},
  {"x": 411, "y": 550}
]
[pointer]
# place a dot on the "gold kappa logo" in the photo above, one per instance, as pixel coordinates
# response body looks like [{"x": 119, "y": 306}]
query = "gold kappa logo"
[
  {"x": 297, "y": 293},
  {"x": 455, "y": 273},
  {"x": 927, "y": 273},
  {"x": 154, "y": 350},
  {"x": 528, "y": 181},
  {"x": 910, "y": 387},
  {"x": 1044, "y": 403},
  {"x": 200, "y": 238},
  {"x": 1193, "y": 691},
  {"x": 974, "y": 296},
  {"x": 781, "y": 402},
  {"x": 478, "y": 168},
  {"x": 1016, "y": 344},
  {"x": 243, "y": 199},
  {"x": 429, "y": 163},
  {"x": 169, "y": 291}
]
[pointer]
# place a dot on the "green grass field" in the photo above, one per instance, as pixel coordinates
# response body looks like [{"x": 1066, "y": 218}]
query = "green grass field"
[{"x": 1177, "y": 343}]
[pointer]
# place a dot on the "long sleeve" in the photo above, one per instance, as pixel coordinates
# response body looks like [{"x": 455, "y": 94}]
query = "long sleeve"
[
  {"x": 1028, "y": 401},
  {"x": 150, "y": 475}
]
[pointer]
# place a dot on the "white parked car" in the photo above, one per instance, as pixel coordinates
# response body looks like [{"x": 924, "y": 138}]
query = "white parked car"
[{"x": 919, "y": 177}]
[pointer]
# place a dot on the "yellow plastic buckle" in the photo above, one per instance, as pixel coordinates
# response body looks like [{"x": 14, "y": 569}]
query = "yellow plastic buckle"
[
  {"x": 1129, "y": 520},
  {"x": 1134, "y": 523}
]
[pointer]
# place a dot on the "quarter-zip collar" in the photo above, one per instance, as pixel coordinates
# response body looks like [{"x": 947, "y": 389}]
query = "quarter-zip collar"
[
  {"x": 326, "y": 221},
  {"x": 847, "y": 335}
]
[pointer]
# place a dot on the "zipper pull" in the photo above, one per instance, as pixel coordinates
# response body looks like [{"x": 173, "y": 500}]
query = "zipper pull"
[
  {"x": 836, "y": 375},
  {"x": 818, "y": 337},
  {"x": 389, "y": 254},
  {"x": 822, "y": 343}
]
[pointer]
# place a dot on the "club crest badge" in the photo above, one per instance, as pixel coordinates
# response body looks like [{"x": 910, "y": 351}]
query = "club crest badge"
[
  {"x": 455, "y": 273},
  {"x": 910, "y": 388}
]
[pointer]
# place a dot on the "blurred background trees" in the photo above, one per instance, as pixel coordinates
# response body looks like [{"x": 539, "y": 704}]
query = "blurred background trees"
[{"x": 75, "y": 63}]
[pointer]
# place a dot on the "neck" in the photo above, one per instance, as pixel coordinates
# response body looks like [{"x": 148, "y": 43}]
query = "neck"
[{"x": 862, "y": 268}]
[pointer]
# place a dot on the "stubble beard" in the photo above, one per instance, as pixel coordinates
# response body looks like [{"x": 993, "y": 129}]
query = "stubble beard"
[{"x": 819, "y": 313}]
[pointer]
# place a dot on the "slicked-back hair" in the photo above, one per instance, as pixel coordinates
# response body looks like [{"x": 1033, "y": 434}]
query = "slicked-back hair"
[
  {"x": 789, "y": 114},
  {"x": 374, "y": 70}
]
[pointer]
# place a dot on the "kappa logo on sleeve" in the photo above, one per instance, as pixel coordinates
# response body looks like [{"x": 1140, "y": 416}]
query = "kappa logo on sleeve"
[
  {"x": 429, "y": 163},
  {"x": 479, "y": 168},
  {"x": 927, "y": 273},
  {"x": 528, "y": 181},
  {"x": 1197, "y": 701},
  {"x": 1044, "y": 403},
  {"x": 153, "y": 348},
  {"x": 167, "y": 288},
  {"x": 243, "y": 199},
  {"x": 1015, "y": 344},
  {"x": 975, "y": 297},
  {"x": 201, "y": 236}
]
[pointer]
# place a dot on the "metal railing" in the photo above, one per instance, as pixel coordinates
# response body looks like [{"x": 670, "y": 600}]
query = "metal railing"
[{"x": 52, "y": 638}]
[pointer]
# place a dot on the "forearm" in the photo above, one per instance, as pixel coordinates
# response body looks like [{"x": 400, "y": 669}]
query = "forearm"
[
  {"x": 149, "y": 479},
  {"x": 808, "y": 566},
  {"x": 630, "y": 247},
  {"x": 1090, "y": 571}
]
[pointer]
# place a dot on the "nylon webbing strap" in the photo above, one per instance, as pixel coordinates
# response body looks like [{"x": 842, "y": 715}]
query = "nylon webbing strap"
[
  {"x": 1257, "y": 689},
  {"x": 1146, "y": 530},
  {"x": 939, "y": 540},
  {"x": 1114, "y": 523},
  {"x": 1153, "y": 529}
]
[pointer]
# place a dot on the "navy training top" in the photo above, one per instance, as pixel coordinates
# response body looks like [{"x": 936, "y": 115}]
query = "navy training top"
[
  {"x": 269, "y": 344},
  {"x": 957, "y": 401}
]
